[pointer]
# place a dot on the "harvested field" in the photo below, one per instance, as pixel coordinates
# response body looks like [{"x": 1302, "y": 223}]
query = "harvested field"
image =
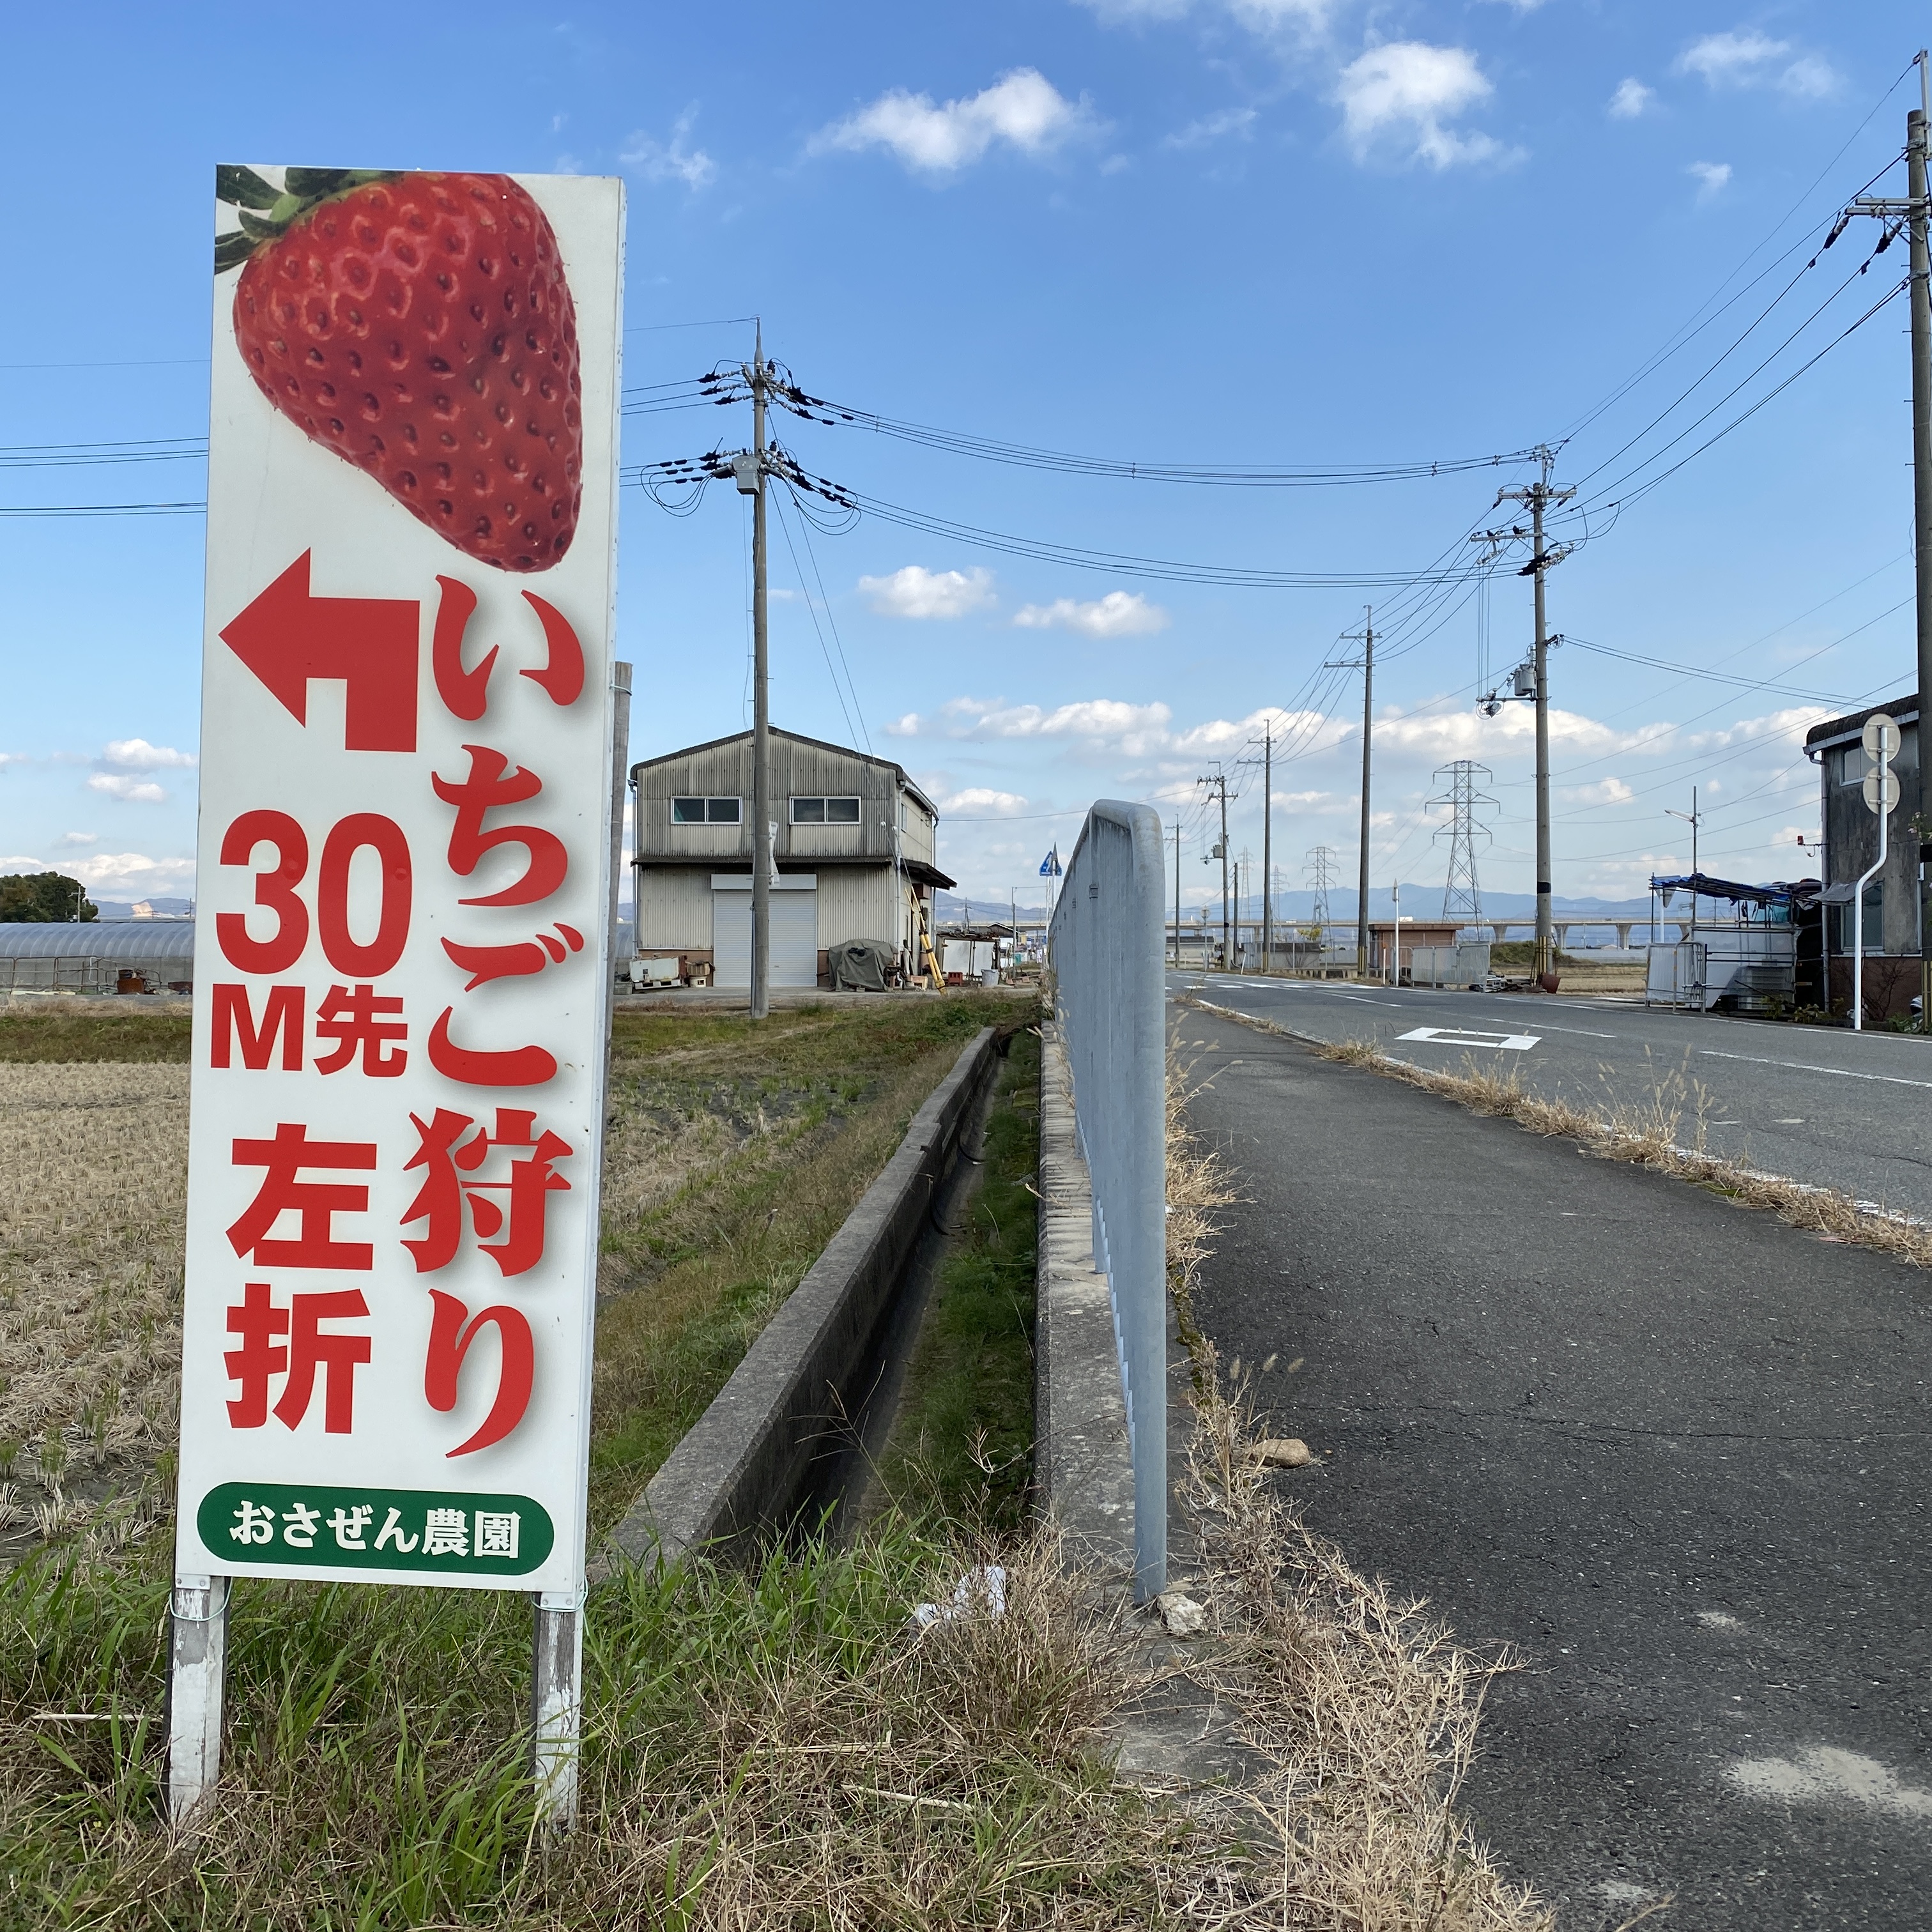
[
  {"x": 96, "y": 1161},
  {"x": 731, "y": 1156}
]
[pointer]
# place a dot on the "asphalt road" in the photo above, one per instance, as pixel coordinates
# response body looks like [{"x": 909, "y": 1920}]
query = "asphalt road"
[
  {"x": 1851, "y": 1111},
  {"x": 1673, "y": 1451}
]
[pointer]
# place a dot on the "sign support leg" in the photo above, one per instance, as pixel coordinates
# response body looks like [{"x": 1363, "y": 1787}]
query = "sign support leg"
[
  {"x": 197, "y": 1659},
  {"x": 556, "y": 1700}
]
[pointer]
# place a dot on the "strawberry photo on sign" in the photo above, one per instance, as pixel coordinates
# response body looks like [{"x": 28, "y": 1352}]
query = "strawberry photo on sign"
[{"x": 419, "y": 326}]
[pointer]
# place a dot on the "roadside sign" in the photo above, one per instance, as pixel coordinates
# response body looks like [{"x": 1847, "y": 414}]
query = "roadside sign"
[
  {"x": 1881, "y": 789},
  {"x": 1881, "y": 737},
  {"x": 400, "y": 968}
]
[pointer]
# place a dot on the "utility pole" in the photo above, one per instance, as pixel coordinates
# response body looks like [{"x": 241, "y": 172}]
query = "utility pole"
[
  {"x": 1693, "y": 818},
  {"x": 1539, "y": 496},
  {"x": 1367, "y": 636},
  {"x": 1177, "y": 891},
  {"x": 1219, "y": 782},
  {"x": 1911, "y": 214},
  {"x": 761, "y": 717},
  {"x": 1267, "y": 844}
]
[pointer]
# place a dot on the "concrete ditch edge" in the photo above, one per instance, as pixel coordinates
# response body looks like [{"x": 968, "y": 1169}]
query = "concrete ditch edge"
[
  {"x": 1173, "y": 1735},
  {"x": 1085, "y": 1471},
  {"x": 746, "y": 1464}
]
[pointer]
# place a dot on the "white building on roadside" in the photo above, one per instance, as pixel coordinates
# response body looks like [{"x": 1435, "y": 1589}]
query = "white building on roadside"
[{"x": 854, "y": 849}]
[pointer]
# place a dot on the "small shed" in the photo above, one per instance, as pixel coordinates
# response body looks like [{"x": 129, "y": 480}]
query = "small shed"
[{"x": 90, "y": 956}]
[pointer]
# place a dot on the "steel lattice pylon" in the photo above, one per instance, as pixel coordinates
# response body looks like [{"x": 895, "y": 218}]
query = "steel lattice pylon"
[
  {"x": 1320, "y": 874},
  {"x": 1461, "y": 895}
]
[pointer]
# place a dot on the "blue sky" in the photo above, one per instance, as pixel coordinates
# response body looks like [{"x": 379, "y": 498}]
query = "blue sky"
[{"x": 1290, "y": 233}]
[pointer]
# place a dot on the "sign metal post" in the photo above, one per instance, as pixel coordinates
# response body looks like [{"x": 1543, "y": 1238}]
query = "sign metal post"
[{"x": 1882, "y": 740}]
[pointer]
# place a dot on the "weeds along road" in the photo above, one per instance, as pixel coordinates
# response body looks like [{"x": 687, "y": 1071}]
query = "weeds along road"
[
  {"x": 1850, "y": 1111},
  {"x": 1673, "y": 1451}
]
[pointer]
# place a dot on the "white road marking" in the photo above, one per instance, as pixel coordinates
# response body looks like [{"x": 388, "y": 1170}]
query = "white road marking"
[
  {"x": 1583, "y": 1033},
  {"x": 1509, "y": 1042},
  {"x": 1801, "y": 1066}
]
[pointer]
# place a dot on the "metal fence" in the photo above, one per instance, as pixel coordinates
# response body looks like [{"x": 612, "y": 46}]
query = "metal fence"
[{"x": 1107, "y": 941}]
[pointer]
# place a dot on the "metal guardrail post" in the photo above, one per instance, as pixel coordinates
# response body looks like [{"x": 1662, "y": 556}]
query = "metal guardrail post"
[{"x": 1108, "y": 946}]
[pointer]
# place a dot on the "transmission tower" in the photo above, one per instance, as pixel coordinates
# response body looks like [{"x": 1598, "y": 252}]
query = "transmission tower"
[
  {"x": 1320, "y": 875},
  {"x": 1461, "y": 896}
]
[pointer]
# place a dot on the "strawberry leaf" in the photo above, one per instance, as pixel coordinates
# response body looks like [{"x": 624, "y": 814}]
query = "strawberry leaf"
[
  {"x": 256, "y": 229},
  {"x": 231, "y": 251},
  {"x": 244, "y": 188},
  {"x": 312, "y": 183}
]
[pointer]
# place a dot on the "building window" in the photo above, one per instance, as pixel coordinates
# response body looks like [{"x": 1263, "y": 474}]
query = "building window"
[
  {"x": 1841, "y": 931},
  {"x": 1848, "y": 765},
  {"x": 825, "y": 811},
  {"x": 904, "y": 822},
  {"x": 705, "y": 811}
]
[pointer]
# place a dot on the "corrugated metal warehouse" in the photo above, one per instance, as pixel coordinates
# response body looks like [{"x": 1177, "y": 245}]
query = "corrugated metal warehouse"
[
  {"x": 854, "y": 851},
  {"x": 91, "y": 957}
]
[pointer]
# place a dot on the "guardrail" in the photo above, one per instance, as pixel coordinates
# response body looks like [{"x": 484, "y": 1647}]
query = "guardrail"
[{"x": 1107, "y": 941}]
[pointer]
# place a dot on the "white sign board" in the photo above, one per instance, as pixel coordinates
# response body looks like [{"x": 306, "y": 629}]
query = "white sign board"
[
  {"x": 1881, "y": 737},
  {"x": 401, "y": 962}
]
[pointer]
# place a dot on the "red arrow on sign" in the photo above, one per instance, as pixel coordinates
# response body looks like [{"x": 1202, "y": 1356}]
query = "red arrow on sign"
[{"x": 286, "y": 637}]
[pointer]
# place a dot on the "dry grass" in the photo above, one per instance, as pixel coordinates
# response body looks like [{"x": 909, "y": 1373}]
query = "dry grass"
[
  {"x": 96, "y": 1159},
  {"x": 1647, "y": 1133},
  {"x": 1362, "y": 1709},
  {"x": 1197, "y": 1184}
]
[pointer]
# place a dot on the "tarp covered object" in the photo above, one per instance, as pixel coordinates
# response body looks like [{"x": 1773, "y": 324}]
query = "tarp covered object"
[{"x": 861, "y": 965}]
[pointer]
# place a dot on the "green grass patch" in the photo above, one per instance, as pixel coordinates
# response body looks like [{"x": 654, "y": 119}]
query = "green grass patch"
[
  {"x": 777, "y": 1749},
  {"x": 55, "y": 1029},
  {"x": 963, "y": 1442},
  {"x": 793, "y": 1120}
]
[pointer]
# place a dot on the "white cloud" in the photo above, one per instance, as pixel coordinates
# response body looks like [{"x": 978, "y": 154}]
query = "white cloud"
[
  {"x": 1752, "y": 59},
  {"x": 1121, "y": 613},
  {"x": 136, "y": 754},
  {"x": 907, "y": 727},
  {"x": 1809, "y": 78},
  {"x": 1720, "y": 58},
  {"x": 1712, "y": 178},
  {"x": 1214, "y": 127},
  {"x": 917, "y": 592},
  {"x": 1134, "y": 729},
  {"x": 118, "y": 875},
  {"x": 11, "y": 758},
  {"x": 1401, "y": 97},
  {"x": 1631, "y": 98},
  {"x": 129, "y": 788},
  {"x": 78, "y": 838},
  {"x": 980, "y": 800},
  {"x": 1605, "y": 791},
  {"x": 1022, "y": 109},
  {"x": 674, "y": 160}
]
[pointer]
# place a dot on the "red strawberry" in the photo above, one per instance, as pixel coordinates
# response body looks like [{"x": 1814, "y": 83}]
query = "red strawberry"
[{"x": 420, "y": 326}]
